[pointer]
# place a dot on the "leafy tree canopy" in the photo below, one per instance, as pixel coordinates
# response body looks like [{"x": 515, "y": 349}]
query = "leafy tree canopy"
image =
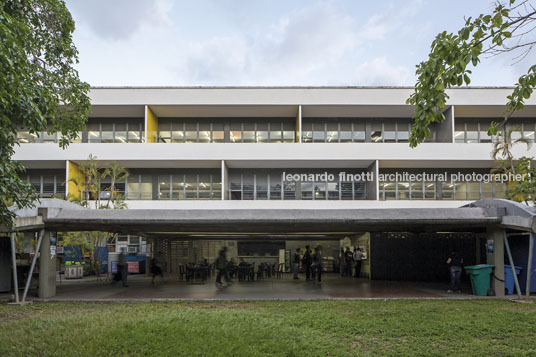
[
  {"x": 39, "y": 88},
  {"x": 505, "y": 29}
]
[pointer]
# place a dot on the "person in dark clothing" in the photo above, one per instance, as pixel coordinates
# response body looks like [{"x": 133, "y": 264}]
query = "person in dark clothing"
[
  {"x": 307, "y": 261},
  {"x": 358, "y": 257},
  {"x": 221, "y": 266},
  {"x": 317, "y": 260},
  {"x": 296, "y": 261},
  {"x": 348, "y": 256},
  {"x": 455, "y": 262},
  {"x": 122, "y": 267},
  {"x": 342, "y": 263},
  {"x": 155, "y": 270}
]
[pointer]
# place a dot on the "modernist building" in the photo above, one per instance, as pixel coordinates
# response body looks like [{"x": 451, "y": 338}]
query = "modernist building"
[{"x": 267, "y": 151}]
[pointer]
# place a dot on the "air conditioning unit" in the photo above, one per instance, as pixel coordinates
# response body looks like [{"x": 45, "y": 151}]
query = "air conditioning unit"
[
  {"x": 132, "y": 250},
  {"x": 74, "y": 272},
  {"x": 60, "y": 250}
]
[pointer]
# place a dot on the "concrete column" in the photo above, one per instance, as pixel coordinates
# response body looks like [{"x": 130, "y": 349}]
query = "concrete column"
[
  {"x": 224, "y": 181},
  {"x": 47, "y": 269},
  {"x": 373, "y": 192},
  {"x": 445, "y": 130},
  {"x": 497, "y": 258}
]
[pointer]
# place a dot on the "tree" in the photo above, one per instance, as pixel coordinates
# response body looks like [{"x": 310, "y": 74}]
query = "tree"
[
  {"x": 40, "y": 90},
  {"x": 505, "y": 30}
]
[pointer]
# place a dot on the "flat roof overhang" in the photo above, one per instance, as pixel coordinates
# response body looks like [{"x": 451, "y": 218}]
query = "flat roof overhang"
[{"x": 306, "y": 221}]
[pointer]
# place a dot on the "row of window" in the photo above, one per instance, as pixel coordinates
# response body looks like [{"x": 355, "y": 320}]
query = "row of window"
[
  {"x": 118, "y": 132},
  {"x": 472, "y": 131},
  {"x": 331, "y": 131},
  {"x": 272, "y": 186},
  {"x": 466, "y": 191},
  {"x": 234, "y": 132},
  {"x": 48, "y": 185}
]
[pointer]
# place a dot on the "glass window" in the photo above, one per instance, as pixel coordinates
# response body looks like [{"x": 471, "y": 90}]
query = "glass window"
[
  {"x": 447, "y": 190},
  {"x": 190, "y": 132},
  {"x": 48, "y": 186},
  {"x": 471, "y": 133},
  {"x": 500, "y": 189},
  {"x": 358, "y": 132},
  {"x": 275, "y": 132},
  {"x": 389, "y": 189},
  {"x": 376, "y": 134},
  {"x": 204, "y": 132},
  {"x": 484, "y": 137},
  {"x": 133, "y": 187},
  {"x": 307, "y": 132},
  {"x": 177, "y": 187},
  {"x": 236, "y": 132},
  {"x": 204, "y": 187},
  {"x": 528, "y": 130},
  {"x": 403, "y": 190},
  {"x": 191, "y": 187},
  {"x": 402, "y": 131},
  {"x": 487, "y": 190},
  {"x": 333, "y": 191},
  {"x": 275, "y": 187},
  {"x": 146, "y": 187},
  {"x": 248, "y": 186},
  {"x": 320, "y": 190},
  {"x": 416, "y": 190},
  {"x": 306, "y": 190},
  {"x": 473, "y": 190},
  {"x": 78, "y": 138},
  {"x": 360, "y": 190},
  {"x": 289, "y": 190},
  {"x": 134, "y": 135},
  {"x": 107, "y": 132},
  {"x": 332, "y": 132},
  {"x": 261, "y": 182},
  {"x": 345, "y": 134},
  {"x": 24, "y": 137},
  {"x": 164, "y": 187},
  {"x": 248, "y": 134},
  {"x": 429, "y": 190},
  {"x": 217, "y": 133},
  {"x": 120, "y": 133},
  {"x": 319, "y": 134},
  {"x": 262, "y": 133},
  {"x": 177, "y": 136},
  {"x": 48, "y": 138},
  {"x": 459, "y": 131},
  {"x": 235, "y": 180},
  {"x": 216, "y": 187},
  {"x": 515, "y": 126},
  {"x": 164, "y": 132},
  {"x": 289, "y": 132},
  {"x": 93, "y": 132},
  {"x": 346, "y": 191},
  {"x": 389, "y": 131},
  {"x": 460, "y": 190}
]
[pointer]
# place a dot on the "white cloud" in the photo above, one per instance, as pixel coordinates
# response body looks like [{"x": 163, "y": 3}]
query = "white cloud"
[{"x": 380, "y": 72}]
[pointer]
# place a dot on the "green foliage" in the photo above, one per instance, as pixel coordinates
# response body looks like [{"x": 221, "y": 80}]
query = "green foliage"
[
  {"x": 524, "y": 190},
  {"x": 479, "y": 327},
  {"x": 39, "y": 88},
  {"x": 452, "y": 53}
]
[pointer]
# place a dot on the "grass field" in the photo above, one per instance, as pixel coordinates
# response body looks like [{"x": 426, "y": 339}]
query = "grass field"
[{"x": 306, "y": 328}]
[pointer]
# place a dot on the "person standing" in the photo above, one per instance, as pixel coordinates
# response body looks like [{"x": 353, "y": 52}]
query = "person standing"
[
  {"x": 221, "y": 266},
  {"x": 155, "y": 270},
  {"x": 348, "y": 257},
  {"x": 455, "y": 262},
  {"x": 296, "y": 261},
  {"x": 317, "y": 260},
  {"x": 342, "y": 263},
  {"x": 123, "y": 269},
  {"x": 307, "y": 261},
  {"x": 358, "y": 257}
]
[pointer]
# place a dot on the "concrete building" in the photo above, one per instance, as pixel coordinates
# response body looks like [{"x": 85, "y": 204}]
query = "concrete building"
[{"x": 271, "y": 169}]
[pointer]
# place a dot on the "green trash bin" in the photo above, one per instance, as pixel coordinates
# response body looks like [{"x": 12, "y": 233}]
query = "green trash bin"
[{"x": 480, "y": 278}]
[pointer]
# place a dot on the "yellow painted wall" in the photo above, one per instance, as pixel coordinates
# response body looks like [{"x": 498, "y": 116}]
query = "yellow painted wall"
[
  {"x": 298, "y": 126},
  {"x": 151, "y": 125},
  {"x": 74, "y": 172}
]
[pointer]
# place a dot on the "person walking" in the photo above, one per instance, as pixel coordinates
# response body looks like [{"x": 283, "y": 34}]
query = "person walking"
[
  {"x": 317, "y": 260},
  {"x": 455, "y": 262},
  {"x": 296, "y": 261},
  {"x": 307, "y": 261},
  {"x": 155, "y": 270},
  {"x": 358, "y": 257},
  {"x": 221, "y": 266}
]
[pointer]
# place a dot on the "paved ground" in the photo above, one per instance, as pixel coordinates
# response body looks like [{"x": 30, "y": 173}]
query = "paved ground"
[{"x": 170, "y": 288}]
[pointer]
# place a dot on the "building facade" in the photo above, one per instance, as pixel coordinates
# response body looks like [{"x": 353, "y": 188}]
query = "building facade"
[{"x": 228, "y": 148}]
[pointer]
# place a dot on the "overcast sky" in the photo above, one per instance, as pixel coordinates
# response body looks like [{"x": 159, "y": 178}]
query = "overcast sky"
[{"x": 271, "y": 42}]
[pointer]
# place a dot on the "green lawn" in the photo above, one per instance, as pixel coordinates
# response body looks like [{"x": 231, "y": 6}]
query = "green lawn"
[{"x": 306, "y": 328}]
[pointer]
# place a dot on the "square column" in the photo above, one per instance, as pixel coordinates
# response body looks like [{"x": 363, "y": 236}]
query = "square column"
[
  {"x": 47, "y": 268},
  {"x": 496, "y": 258}
]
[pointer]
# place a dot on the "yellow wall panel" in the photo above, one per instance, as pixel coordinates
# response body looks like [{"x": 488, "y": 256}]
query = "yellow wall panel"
[
  {"x": 74, "y": 188},
  {"x": 151, "y": 125}
]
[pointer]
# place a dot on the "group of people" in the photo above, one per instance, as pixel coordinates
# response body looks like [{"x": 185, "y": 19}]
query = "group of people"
[
  {"x": 311, "y": 262},
  {"x": 347, "y": 258}
]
